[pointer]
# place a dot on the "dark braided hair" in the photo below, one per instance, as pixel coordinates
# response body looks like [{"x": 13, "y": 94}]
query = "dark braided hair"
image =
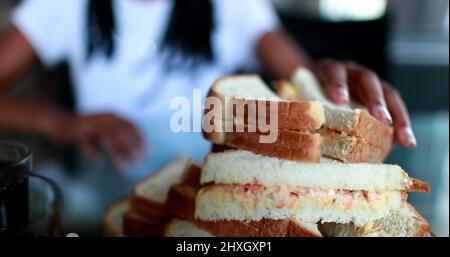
[{"x": 188, "y": 34}]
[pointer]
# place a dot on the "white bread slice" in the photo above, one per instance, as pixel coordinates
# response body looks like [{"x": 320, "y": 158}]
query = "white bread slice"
[
  {"x": 297, "y": 120},
  {"x": 402, "y": 222},
  {"x": 351, "y": 120},
  {"x": 150, "y": 195},
  {"x": 244, "y": 202},
  {"x": 121, "y": 220},
  {"x": 156, "y": 187},
  {"x": 183, "y": 228},
  {"x": 243, "y": 86},
  {"x": 241, "y": 167},
  {"x": 250, "y": 89},
  {"x": 112, "y": 218},
  {"x": 261, "y": 228}
]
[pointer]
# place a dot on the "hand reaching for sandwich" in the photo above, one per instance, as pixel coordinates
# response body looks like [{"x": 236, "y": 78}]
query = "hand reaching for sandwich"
[
  {"x": 119, "y": 138},
  {"x": 343, "y": 80}
]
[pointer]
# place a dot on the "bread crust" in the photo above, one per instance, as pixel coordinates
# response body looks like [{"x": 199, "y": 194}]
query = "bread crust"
[
  {"x": 290, "y": 145},
  {"x": 181, "y": 201},
  {"x": 374, "y": 139},
  {"x": 372, "y": 130},
  {"x": 359, "y": 150},
  {"x": 262, "y": 228},
  {"x": 191, "y": 176},
  {"x": 221, "y": 148},
  {"x": 425, "y": 229},
  {"x": 109, "y": 229},
  {"x": 150, "y": 208},
  {"x": 419, "y": 186},
  {"x": 136, "y": 225},
  {"x": 293, "y": 115}
]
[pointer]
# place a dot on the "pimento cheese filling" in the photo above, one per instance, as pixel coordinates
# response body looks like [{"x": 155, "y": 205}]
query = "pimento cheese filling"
[{"x": 289, "y": 196}]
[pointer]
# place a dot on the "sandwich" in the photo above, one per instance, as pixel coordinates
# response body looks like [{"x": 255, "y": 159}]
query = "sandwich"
[
  {"x": 308, "y": 124},
  {"x": 121, "y": 220},
  {"x": 146, "y": 211},
  {"x": 349, "y": 132},
  {"x": 182, "y": 202},
  {"x": 150, "y": 195},
  {"x": 245, "y": 102},
  {"x": 208, "y": 211},
  {"x": 241, "y": 187}
]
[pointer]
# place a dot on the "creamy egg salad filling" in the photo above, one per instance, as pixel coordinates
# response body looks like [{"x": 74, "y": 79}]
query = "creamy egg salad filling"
[{"x": 288, "y": 197}]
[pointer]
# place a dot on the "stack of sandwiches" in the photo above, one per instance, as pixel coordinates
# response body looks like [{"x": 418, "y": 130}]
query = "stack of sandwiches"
[
  {"x": 155, "y": 201},
  {"x": 321, "y": 176}
]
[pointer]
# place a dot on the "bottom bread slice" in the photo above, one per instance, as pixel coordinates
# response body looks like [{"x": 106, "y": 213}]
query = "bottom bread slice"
[
  {"x": 261, "y": 228},
  {"x": 402, "y": 222},
  {"x": 257, "y": 202},
  {"x": 184, "y": 228}
]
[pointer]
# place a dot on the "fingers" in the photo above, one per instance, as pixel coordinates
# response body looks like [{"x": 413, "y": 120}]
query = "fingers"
[
  {"x": 333, "y": 76},
  {"x": 134, "y": 138},
  {"x": 402, "y": 125},
  {"x": 366, "y": 86},
  {"x": 90, "y": 152},
  {"x": 121, "y": 140},
  {"x": 114, "y": 151},
  {"x": 80, "y": 135}
]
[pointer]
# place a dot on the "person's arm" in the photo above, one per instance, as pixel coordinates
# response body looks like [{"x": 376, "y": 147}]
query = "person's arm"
[
  {"x": 280, "y": 56},
  {"x": 118, "y": 137},
  {"x": 342, "y": 80},
  {"x": 15, "y": 115}
]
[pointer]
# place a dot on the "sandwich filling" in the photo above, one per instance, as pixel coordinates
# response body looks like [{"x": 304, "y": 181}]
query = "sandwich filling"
[{"x": 255, "y": 201}]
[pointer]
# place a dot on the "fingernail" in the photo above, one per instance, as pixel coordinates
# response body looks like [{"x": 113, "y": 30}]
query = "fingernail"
[
  {"x": 343, "y": 94},
  {"x": 407, "y": 137},
  {"x": 381, "y": 113}
]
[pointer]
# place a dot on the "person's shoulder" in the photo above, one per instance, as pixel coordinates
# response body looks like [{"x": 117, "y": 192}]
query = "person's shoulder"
[
  {"x": 52, "y": 3},
  {"x": 242, "y": 5},
  {"x": 61, "y": 7}
]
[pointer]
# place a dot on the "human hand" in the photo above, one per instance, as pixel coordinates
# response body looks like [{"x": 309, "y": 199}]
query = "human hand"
[
  {"x": 120, "y": 139},
  {"x": 344, "y": 80}
]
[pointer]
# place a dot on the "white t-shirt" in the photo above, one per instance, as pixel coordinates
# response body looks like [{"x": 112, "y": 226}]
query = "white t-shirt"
[{"x": 133, "y": 83}]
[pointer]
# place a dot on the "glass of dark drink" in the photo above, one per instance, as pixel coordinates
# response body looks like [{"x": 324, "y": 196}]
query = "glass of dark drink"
[{"x": 30, "y": 204}]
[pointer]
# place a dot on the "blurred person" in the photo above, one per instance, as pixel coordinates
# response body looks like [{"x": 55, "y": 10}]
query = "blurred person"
[{"x": 129, "y": 58}]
